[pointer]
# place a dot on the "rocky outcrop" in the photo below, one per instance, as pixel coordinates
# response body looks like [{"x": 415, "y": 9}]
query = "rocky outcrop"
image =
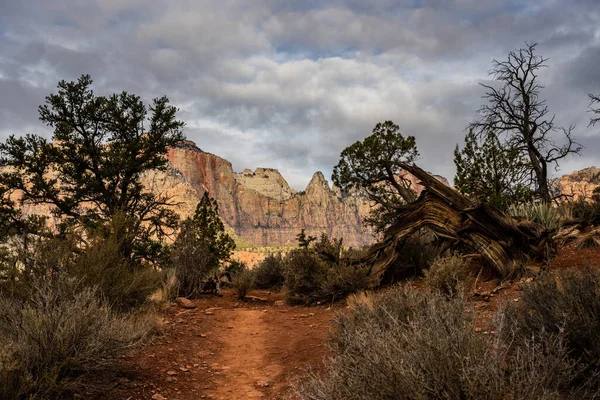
[
  {"x": 580, "y": 184},
  {"x": 261, "y": 208}
]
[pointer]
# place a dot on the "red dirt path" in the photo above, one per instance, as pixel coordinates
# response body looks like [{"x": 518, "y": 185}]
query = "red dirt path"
[{"x": 228, "y": 349}]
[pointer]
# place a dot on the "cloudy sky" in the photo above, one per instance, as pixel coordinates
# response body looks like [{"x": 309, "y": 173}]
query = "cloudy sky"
[{"x": 289, "y": 84}]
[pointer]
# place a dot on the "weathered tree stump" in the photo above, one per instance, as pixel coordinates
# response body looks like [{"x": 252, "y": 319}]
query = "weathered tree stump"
[{"x": 498, "y": 238}]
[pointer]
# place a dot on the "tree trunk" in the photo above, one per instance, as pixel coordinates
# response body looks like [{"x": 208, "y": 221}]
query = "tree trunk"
[{"x": 500, "y": 239}]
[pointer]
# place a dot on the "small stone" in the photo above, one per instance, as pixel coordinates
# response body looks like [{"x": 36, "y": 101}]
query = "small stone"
[
  {"x": 208, "y": 313},
  {"x": 171, "y": 372},
  {"x": 183, "y": 369},
  {"x": 185, "y": 303},
  {"x": 158, "y": 396}
]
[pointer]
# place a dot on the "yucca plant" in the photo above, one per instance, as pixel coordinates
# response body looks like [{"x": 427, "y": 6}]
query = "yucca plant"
[{"x": 544, "y": 214}]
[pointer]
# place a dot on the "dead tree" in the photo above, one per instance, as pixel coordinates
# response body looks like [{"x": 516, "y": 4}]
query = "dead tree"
[{"x": 499, "y": 239}]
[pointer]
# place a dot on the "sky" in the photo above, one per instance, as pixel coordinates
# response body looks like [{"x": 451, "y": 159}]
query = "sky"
[{"x": 290, "y": 84}]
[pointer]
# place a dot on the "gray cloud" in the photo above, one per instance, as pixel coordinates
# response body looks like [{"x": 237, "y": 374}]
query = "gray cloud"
[{"x": 290, "y": 84}]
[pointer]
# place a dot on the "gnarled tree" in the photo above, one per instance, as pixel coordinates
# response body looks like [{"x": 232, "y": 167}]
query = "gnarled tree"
[
  {"x": 373, "y": 165},
  {"x": 514, "y": 109}
]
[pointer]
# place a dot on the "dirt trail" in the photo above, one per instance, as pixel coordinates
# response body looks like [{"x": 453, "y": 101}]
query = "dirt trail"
[
  {"x": 227, "y": 349},
  {"x": 243, "y": 359}
]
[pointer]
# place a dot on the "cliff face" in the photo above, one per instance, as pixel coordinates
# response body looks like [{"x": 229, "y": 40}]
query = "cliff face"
[
  {"x": 260, "y": 206},
  {"x": 580, "y": 184}
]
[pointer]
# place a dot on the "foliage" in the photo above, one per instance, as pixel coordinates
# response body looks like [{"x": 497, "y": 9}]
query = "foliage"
[
  {"x": 92, "y": 259},
  {"x": 200, "y": 247},
  {"x": 488, "y": 170},
  {"x": 270, "y": 272},
  {"x": 124, "y": 285},
  {"x": 374, "y": 165},
  {"x": 322, "y": 274},
  {"x": 243, "y": 282},
  {"x": 515, "y": 110},
  {"x": 588, "y": 212},
  {"x": 304, "y": 275},
  {"x": 92, "y": 168},
  {"x": 413, "y": 344},
  {"x": 449, "y": 275},
  {"x": 62, "y": 333},
  {"x": 303, "y": 240},
  {"x": 542, "y": 213}
]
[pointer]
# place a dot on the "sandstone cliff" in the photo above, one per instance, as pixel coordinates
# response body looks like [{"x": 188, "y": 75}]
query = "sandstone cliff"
[
  {"x": 261, "y": 208},
  {"x": 580, "y": 184}
]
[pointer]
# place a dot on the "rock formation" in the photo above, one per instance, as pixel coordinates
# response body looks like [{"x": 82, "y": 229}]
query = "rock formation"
[
  {"x": 261, "y": 208},
  {"x": 580, "y": 184}
]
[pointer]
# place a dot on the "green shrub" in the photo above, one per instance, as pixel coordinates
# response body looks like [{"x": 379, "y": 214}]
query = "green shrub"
[
  {"x": 270, "y": 272},
  {"x": 243, "y": 282},
  {"x": 448, "y": 275},
  {"x": 193, "y": 266},
  {"x": 409, "y": 344},
  {"x": 200, "y": 247},
  {"x": 62, "y": 333},
  {"x": 304, "y": 275},
  {"x": 309, "y": 279},
  {"x": 124, "y": 285}
]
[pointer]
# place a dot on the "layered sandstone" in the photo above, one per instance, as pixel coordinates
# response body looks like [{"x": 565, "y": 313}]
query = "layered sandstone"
[
  {"x": 260, "y": 207},
  {"x": 580, "y": 184}
]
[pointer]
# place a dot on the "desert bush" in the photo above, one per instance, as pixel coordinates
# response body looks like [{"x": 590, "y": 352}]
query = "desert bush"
[
  {"x": 169, "y": 284},
  {"x": 408, "y": 344},
  {"x": 62, "y": 333},
  {"x": 568, "y": 304},
  {"x": 270, "y": 272},
  {"x": 309, "y": 279},
  {"x": 304, "y": 276},
  {"x": 193, "y": 265},
  {"x": 124, "y": 285},
  {"x": 344, "y": 279},
  {"x": 449, "y": 275},
  {"x": 235, "y": 267},
  {"x": 243, "y": 282}
]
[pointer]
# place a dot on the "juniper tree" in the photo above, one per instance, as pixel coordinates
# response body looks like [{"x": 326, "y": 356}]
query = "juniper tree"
[
  {"x": 490, "y": 171},
  {"x": 373, "y": 165},
  {"x": 200, "y": 247},
  {"x": 92, "y": 168}
]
